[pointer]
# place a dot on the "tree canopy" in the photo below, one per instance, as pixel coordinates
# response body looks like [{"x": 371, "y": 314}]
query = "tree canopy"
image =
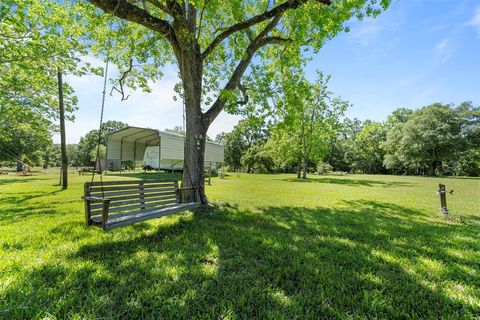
[
  {"x": 86, "y": 152},
  {"x": 34, "y": 46},
  {"x": 438, "y": 139},
  {"x": 226, "y": 51}
]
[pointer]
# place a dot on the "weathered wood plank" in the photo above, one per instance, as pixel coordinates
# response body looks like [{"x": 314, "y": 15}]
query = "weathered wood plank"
[
  {"x": 130, "y": 187},
  {"x": 142, "y": 197},
  {"x": 88, "y": 219},
  {"x": 128, "y": 202},
  {"x": 146, "y": 212},
  {"x": 114, "y": 194},
  {"x": 139, "y": 205},
  {"x": 121, "y": 202},
  {"x": 126, "y": 182},
  {"x": 131, "y": 193},
  {"x": 105, "y": 214},
  {"x": 135, "y": 206},
  {"x": 147, "y": 196},
  {"x": 142, "y": 216}
]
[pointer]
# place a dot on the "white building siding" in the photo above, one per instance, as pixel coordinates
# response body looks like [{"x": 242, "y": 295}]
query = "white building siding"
[
  {"x": 140, "y": 151},
  {"x": 213, "y": 152},
  {"x": 127, "y": 151},
  {"x": 113, "y": 149},
  {"x": 171, "y": 147}
]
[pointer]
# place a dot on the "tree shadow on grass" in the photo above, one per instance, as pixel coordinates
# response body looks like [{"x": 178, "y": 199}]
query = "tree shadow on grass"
[
  {"x": 20, "y": 179},
  {"x": 18, "y": 205},
  {"x": 367, "y": 260},
  {"x": 352, "y": 182},
  {"x": 471, "y": 220}
]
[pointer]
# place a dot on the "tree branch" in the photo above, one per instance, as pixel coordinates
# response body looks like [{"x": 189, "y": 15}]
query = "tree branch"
[
  {"x": 234, "y": 82},
  {"x": 160, "y": 6},
  {"x": 128, "y": 11},
  {"x": 175, "y": 8},
  {"x": 245, "y": 97},
  {"x": 191, "y": 16},
  {"x": 201, "y": 19},
  {"x": 122, "y": 79},
  {"x": 287, "y": 5}
]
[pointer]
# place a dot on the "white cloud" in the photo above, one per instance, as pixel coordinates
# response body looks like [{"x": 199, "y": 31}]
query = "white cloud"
[
  {"x": 364, "y": 32},
  {"x": 443, "y": 50},
  {"x": 371, "y": 30},
  {"x": 223, "y": 123},
  {"x": 475, "y": 21},
  {"x": 154, "y": 110}
]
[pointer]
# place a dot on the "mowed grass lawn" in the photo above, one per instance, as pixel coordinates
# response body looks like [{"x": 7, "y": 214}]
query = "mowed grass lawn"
[{"x": 354, "y": 246}]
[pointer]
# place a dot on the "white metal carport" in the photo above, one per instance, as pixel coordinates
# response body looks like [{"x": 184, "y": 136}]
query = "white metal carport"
[{"x": 130, "y": 143}]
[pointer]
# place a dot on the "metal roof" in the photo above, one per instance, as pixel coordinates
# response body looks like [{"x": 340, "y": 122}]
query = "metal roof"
[
  {"x": 134, "y": 134},
  {"x": 138, "y": 134}
]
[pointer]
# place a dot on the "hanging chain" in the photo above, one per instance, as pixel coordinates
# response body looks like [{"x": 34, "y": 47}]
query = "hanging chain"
[{"x": 99, "y": 140}]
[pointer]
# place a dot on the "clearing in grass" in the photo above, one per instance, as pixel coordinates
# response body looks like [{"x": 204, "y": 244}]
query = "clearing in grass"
[{"x": 274, "y": 247}]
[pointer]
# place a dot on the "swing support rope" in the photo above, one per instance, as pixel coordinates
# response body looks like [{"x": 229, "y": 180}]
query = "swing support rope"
[
  {"x": 100, "y": 129},
  {"x": 99, "y": 138}
]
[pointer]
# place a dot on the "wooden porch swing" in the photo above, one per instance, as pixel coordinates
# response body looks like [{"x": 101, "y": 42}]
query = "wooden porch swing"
[{"x": 115, "y": 204}]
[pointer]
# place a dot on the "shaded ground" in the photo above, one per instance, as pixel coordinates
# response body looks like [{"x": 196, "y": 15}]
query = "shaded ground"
[{"x": 254, "y": 256}]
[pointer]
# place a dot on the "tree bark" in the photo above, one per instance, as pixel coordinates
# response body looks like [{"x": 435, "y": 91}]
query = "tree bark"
[
  {"x": 193, "y": 169},
  {"x": 304, "y": 168},
  {"x": 196, "y": 127},
  {"x": 63, "y": 143}
]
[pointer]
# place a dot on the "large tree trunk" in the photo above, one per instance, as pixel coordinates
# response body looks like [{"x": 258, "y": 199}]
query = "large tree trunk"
[
  {"x": 196, "y": 127},
  {"x": 434, "y": 168},
  {"x": 304, "y": 168},
  {"x": 193, "y": 170}
]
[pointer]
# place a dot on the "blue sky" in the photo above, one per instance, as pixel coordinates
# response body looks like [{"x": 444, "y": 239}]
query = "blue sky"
[{"x": 416, "y": 53}]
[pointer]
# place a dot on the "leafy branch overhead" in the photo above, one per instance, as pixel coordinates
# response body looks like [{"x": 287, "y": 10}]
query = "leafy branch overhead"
[
  {"x": 34, "y": 46},
  {"x": 225, "y": 38}
]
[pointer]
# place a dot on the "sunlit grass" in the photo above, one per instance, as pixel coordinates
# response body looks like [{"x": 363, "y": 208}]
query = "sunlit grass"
[{"x": 275, "y": 247}]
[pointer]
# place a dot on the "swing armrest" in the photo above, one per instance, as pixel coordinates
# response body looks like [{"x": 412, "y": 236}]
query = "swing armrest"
[
  {"x": 95, "y": 199},
  {"x": 105, "y": 207},
  {"x": 195, "y": 189}
]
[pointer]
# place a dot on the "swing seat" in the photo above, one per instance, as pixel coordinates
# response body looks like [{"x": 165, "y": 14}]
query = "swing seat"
[{"x": 115, "y": 204}]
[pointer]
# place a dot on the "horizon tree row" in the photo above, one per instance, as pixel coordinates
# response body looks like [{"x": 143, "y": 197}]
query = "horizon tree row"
[{"x": 438, "y": 139}]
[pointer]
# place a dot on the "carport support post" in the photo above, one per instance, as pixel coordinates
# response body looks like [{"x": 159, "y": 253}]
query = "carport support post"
[
  {"x": 134, "y": 154},
  {"x": 121, "y": 154},
  {"x": 159, "y": 151},
  {"x": 210, "y": 174},
  {"x": 106, "y": 156}
]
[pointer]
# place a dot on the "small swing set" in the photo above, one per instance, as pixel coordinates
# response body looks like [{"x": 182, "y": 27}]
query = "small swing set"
[{"x": 115, "y": 204}]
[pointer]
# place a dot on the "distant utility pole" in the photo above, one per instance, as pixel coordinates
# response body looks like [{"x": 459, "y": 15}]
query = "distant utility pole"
[{"x": 63, "y": 143}]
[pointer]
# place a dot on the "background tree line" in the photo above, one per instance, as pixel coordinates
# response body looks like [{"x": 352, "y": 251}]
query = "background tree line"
[{"x": 438, "y": 139}]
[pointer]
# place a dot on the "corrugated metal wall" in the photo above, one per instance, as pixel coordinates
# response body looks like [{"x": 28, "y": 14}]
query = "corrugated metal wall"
[
  {"x": 171, "y": 148},
  {"x": 214, "y": 152},
  {"x": 115, "y": 150}
]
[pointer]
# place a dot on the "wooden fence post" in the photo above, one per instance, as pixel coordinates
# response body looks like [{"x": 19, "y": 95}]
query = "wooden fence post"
[{"x": 442, "y": 193}]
